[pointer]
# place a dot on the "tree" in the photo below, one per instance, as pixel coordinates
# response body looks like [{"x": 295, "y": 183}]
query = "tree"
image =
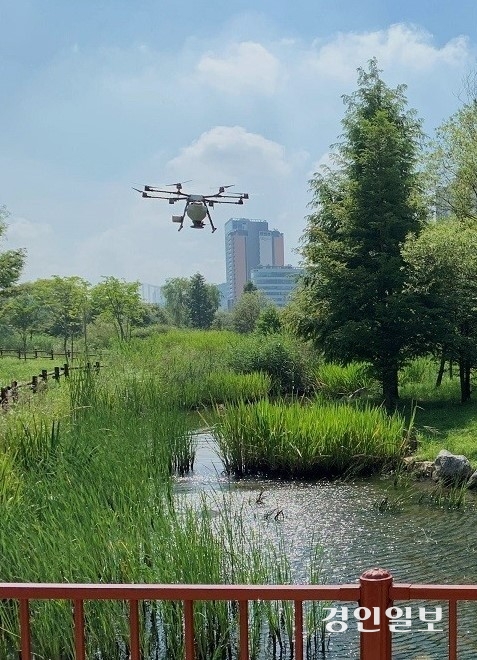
[
  {"x": 11, "y": 261},
  {"x": 269, "y": 322},
  {"x": 202, "y": 301},
  {"x": 24, "y": 312},
  {"x": 442, "y": 271},
  {"x": 363, "y": 211},
  {"x": 247, "y": 310},
  {"x": 67, "y": 303},
  {"x": 248, "y": 287},
  {"x": 453, "y": 165},
  {"x": 120, "y": 302},
  {"x": 175, "y": 295}
]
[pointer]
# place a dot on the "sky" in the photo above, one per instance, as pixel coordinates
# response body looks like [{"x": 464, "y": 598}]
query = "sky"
[{"x": 101, "y": 96}]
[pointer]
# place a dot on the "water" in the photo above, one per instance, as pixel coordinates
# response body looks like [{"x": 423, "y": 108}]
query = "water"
[{"x": 416, "y": 544}]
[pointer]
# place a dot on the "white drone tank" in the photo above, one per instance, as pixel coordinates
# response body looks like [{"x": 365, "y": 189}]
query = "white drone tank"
[{"x": 196, "y": 211}]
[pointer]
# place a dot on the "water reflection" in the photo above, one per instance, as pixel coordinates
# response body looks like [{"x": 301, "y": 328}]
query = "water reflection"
[{"x": 416, "y": 544}]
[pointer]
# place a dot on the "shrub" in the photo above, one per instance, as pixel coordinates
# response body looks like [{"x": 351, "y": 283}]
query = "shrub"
[{"x": 288, "y": 362}]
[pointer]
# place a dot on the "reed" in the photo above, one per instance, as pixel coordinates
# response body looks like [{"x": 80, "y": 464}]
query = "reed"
[
  {"x": 297, "y": 440},
  {"x": 93, "y": 494}
]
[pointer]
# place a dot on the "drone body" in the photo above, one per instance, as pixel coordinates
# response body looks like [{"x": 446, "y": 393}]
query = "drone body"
[{"x": 196, "y": 206}]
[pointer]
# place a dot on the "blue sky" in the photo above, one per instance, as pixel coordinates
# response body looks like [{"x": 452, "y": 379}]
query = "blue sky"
[{"x": 101, "y": 96}]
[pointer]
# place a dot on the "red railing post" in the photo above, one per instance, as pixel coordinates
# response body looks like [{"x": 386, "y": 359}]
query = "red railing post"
[{"x": 375, "y": 585}]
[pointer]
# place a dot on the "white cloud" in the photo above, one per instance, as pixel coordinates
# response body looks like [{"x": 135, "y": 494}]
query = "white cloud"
[
  {"x": 401, "y": 45},
  {"x": 247, "y": 67},
  {"x": 231, "y": 152}
]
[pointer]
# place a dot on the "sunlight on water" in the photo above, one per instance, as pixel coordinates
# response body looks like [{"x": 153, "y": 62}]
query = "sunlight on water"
[{"x": 418, "y": 544}]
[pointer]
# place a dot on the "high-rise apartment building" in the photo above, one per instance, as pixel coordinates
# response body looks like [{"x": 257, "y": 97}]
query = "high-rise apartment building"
[{"x": 248, "y": 245}]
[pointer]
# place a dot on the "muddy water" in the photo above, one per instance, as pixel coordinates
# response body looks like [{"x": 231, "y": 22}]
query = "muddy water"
[{"x": 418, "y": 543}]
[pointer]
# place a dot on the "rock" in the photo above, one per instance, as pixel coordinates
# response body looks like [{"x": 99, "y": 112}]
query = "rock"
[
  {"x": 472, "y": 483},
  {"x": 420, "y": 469},
  {"x": 451, "y": 469}
]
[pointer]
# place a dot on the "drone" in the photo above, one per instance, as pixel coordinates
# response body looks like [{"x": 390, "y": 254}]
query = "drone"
[{"x": 196, "y": 206}]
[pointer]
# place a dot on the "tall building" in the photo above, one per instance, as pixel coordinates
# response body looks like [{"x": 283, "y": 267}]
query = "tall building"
[
  {"x": 276, "y": 282},
  {"x": 248, "y": 245}
]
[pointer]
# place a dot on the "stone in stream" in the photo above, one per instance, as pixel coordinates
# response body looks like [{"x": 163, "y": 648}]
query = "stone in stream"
[{"x": 451, "y": 469}]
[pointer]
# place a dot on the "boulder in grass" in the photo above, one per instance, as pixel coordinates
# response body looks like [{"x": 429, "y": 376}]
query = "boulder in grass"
[
  {"x": 472, "y": 483},
  {"x": 451, "y": 469}
]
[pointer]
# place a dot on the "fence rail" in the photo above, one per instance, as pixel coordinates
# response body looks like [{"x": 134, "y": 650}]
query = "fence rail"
[
  {"x": 36, "y": 353},
  {"x": 10, "y": 393},
  {"x": 375, "y": 590}
]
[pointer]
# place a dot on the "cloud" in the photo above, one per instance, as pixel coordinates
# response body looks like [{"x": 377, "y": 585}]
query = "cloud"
[
  {"x": 231, "y": 152},
  {"x": 247, "y": 67},
  {"x": 400, "y": 46}
]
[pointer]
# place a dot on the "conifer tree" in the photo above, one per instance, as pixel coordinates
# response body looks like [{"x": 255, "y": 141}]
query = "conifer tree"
[{"x": 363, "y": 209}]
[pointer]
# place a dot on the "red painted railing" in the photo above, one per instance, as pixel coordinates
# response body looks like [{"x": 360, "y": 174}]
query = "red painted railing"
[{"x": 375, "y": 591}]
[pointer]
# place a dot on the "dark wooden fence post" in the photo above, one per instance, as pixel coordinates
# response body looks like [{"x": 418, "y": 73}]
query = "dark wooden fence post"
[
  {"x": 97, "y": 366},
  {"x": 375, "y": 586},
  {"x": 34, "y": 383},
  {"x": 66, "y": 369},
  {"x": 57, "y": 374},
  {"x": 44, "y": 374}
]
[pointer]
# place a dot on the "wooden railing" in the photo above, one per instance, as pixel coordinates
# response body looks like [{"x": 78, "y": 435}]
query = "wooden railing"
[
  {"x": 374, "y": 594},
  {"x": 10, "y": 393}
]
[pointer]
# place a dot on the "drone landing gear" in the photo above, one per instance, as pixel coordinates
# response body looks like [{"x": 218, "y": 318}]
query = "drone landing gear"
[{"x": 210, "y": 220}]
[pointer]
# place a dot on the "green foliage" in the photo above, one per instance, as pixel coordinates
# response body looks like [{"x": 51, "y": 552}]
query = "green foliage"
[
  {"x": 363, "y": 211},
  {"x": 23, "y": 311},
  {"x": 119, "y": 302},
  {"x": 453, "y": 164},
  {"x": 288, "y": 362},
  {"x": 202, "y": 301},
  {"x": 269, "y": 321},
  {"x": 67, "y": 305},
  {"x": 441, "y": 267},
  {"x": 248, "y": 287},
  {"x": 247, "y": 310},
  {"x": 299, "y": 440},
  {"x": 336, "y": 381},
  {"x": 175, "y": 294},
  {"x": 11, "y": 261}
]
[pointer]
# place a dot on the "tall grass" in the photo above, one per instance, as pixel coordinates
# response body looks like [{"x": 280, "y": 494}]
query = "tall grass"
[
  {"x": 296, "y": 440},
  {"x": 89, "y": 498}
]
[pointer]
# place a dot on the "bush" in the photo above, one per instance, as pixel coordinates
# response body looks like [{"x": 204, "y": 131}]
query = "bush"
[
  {"x": 336, "y": 381},
  {"x": 288, "y": 362}
]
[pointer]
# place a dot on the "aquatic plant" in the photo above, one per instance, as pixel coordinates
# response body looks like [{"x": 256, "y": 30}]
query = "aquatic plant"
[{"x": 299, "y": 440}]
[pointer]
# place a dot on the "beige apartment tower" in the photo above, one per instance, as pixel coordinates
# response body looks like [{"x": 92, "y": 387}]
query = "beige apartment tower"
[{"x": 249, "y": 244}]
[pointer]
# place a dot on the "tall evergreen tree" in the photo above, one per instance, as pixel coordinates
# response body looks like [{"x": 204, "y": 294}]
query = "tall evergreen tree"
[
  {"x": 202, "y": 302},
  {"x": 363, "y": 210}
]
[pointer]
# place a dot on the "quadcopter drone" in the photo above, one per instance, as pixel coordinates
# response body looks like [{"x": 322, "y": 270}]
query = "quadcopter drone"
[{"x": 196, "y": 206}]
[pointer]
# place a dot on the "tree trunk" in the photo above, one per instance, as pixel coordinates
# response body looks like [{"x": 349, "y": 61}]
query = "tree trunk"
[
  {"x": 390, "y": 387},
  {"x": 464, "y": 375},
  {"x": 442, "y": 365}
]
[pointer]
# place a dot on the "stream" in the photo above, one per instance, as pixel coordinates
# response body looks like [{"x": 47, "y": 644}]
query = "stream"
[{"x": 416, "y": 543}]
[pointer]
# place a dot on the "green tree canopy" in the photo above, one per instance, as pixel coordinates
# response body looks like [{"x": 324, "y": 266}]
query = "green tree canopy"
[
  {"x": 247, "y": 310},
  {"x": 175, "y": 295},
  {"x": 67, "y": 302},
  {"x": 11, "y": 261},
  {"x": 363, "y": 210},
  {"x": 202, "y": 301},
  {"x": 442, "y": 270},
  {"x": 120, "y": 302}
]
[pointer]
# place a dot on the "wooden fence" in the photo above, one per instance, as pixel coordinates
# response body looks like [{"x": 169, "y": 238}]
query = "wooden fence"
[
  {"x": 10, "y": 393},
  {"x": 35, "y": 353}
]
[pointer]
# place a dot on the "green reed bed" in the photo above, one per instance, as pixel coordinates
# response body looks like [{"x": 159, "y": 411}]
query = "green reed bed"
[
  {"x": 87, "y": 496},
  {"x": 298, "y": 440}
]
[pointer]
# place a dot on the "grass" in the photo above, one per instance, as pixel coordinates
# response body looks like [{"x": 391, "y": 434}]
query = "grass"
[
  {"x": 312, "y": 440},
  {"x": 87, "y": 477}
]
